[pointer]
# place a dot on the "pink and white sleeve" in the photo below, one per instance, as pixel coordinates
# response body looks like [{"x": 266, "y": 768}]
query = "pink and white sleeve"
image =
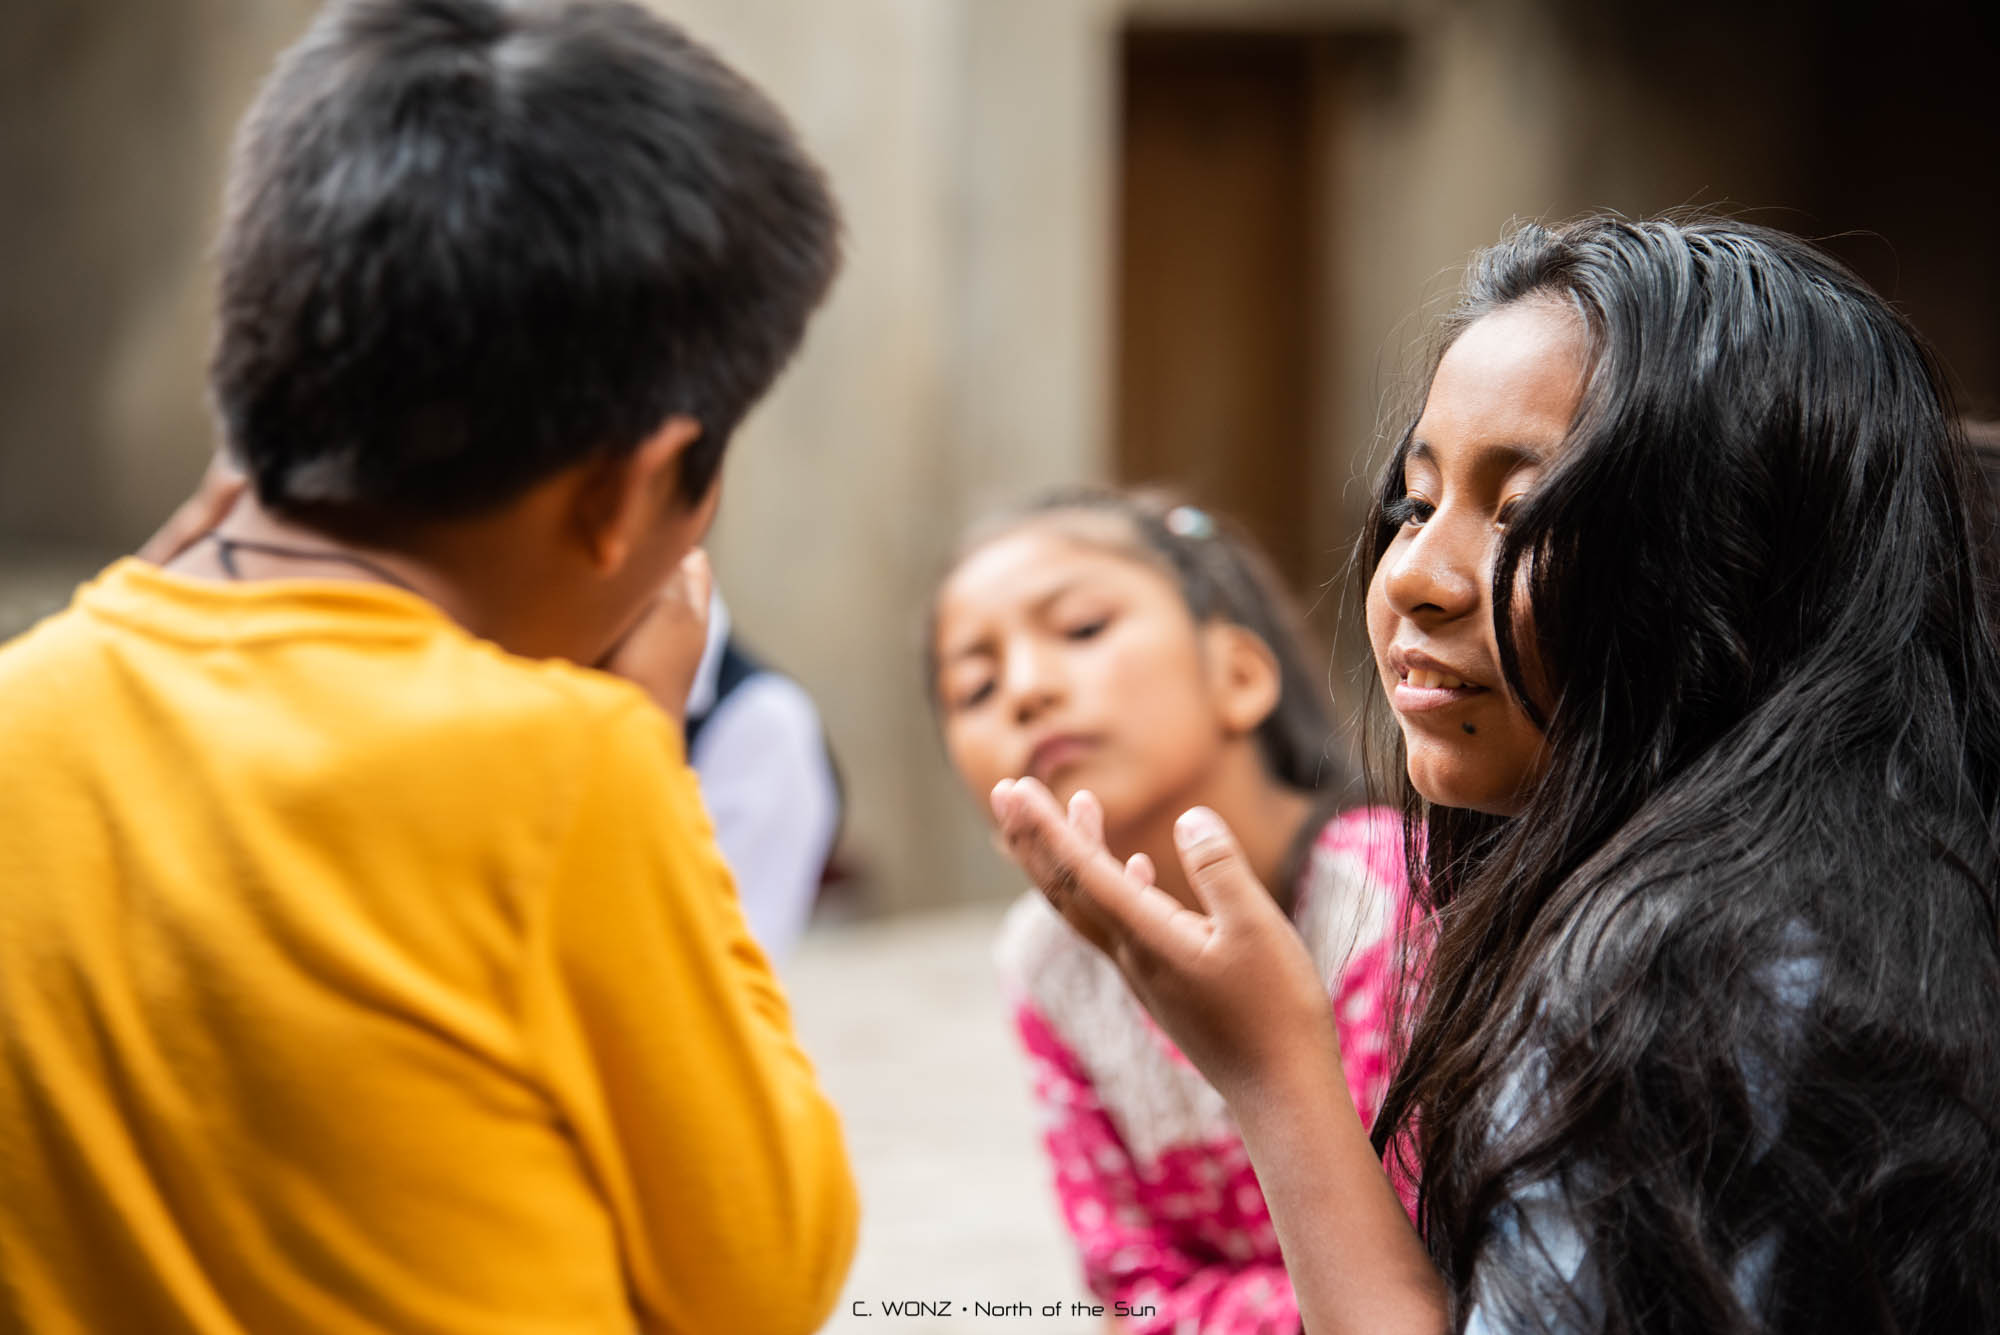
[{"x": 1129, "y": 1256}]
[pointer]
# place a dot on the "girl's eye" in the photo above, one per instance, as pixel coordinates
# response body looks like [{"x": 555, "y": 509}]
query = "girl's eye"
[
  {"x": 1505, "y": 514},
  {"x": 1084, "y": 630},
  {"x": 1407, "y": 510},
  {"x": 975, "y": 697}
]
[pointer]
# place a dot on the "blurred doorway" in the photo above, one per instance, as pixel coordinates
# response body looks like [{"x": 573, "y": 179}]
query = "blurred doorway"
[{"x": 1218, "y": 309}]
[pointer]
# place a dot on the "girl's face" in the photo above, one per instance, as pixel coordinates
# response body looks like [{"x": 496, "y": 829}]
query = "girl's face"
[
  {"x": 1083, "y": 667},
  {"x": 1499, "y": 408}
]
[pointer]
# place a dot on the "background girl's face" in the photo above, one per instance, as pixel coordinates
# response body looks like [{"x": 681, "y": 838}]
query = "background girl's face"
[
  {"x": 1499, "y": 408},
  {"x": 1078, "y": 665}
]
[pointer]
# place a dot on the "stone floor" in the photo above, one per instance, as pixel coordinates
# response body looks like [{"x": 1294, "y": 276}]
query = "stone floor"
[{"x": 905, "y": 1023}]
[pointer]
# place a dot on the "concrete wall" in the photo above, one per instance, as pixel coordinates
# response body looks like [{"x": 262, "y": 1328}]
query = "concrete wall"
[
  {"x": 960, "y": 359},
  {"x": 114, "y": 125}
]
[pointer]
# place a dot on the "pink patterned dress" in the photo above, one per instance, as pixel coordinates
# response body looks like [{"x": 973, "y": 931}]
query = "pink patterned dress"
[{"x": 1150, "y": 1171}]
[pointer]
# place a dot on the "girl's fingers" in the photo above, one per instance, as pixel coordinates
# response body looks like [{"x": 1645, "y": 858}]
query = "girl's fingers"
[
  {"x": 1140, "y": 868},
  {"x": 1056, "y": 885},
  {"x": 1086, "y": 816},
  {"x": 1215, "y": 864},
  {"x": 1079, "y": 877}
]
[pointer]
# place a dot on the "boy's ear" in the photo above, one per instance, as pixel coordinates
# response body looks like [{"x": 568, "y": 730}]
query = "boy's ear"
[
  {"x": 620, "y": 500},
  {"x": 1244, "y": 675}
]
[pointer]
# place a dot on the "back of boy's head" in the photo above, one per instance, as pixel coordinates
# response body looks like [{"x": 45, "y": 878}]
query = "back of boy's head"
[
  {"x": 471, "y": 243},
  {"x": 1222, "y": 575}
]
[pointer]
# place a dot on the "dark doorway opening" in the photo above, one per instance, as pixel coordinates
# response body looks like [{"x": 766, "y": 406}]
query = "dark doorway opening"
[{"x": 1219, "y": 298}]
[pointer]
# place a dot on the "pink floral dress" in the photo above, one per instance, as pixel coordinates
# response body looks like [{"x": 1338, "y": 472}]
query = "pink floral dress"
[{"x": 1150, "y": 1171}]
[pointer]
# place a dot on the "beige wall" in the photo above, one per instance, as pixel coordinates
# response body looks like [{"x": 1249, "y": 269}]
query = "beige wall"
[
  {"x": 114, "y": 122},
  {"x": 959, "y": 359}
]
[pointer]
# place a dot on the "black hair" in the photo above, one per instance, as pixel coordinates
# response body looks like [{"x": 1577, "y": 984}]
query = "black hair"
[
  {"x": 1984, "y": 437},
  {"x": 470, "y": 244},
  {"x": 1746, "y": 920},
  {"x": 1222, "y": 575}
]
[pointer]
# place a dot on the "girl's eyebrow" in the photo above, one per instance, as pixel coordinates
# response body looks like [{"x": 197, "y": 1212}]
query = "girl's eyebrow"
[
  {"x": 1511, "y": 454},
  {"x": 982, "y": 644},
  {"x": 981, "y": 647}
]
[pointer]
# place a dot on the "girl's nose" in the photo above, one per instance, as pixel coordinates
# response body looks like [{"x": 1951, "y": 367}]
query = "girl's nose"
[
  {"x": 1441, "y": 572},
  {"x": 1032, "y": 681}
]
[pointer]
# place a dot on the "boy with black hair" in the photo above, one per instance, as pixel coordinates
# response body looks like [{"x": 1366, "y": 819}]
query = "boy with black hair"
[{"x": 366, "y": 965}]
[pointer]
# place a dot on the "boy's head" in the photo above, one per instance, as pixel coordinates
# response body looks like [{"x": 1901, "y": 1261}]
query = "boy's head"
[{"x": 475, "y": 244}]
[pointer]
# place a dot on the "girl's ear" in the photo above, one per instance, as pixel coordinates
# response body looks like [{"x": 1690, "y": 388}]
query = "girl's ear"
[{"x": 1243, "y": 675}]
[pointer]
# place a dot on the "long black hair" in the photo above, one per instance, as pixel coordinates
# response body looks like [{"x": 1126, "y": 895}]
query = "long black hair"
[{"x": 1727, "y": 990}]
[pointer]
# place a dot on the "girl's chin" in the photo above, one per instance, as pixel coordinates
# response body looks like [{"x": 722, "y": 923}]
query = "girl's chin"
[
  {"x": 1451, "y": 786},
  {"x": 1068, "y": 782},
  {"x": 1488, "y": 806},
  {"x": 1128, "y": 815}
]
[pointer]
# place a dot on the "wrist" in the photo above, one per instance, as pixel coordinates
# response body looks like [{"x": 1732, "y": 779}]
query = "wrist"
[{"x": 1302, "y": 1069}]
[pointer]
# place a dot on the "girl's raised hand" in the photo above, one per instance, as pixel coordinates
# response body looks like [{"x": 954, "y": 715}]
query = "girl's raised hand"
[{"x": 1233, "y": 986}]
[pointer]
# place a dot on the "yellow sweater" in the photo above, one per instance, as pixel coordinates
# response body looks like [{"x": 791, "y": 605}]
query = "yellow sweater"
[{"x": 356, "y": 975}]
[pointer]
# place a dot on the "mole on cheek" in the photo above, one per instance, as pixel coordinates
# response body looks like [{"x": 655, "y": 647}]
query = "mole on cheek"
[{"x": 1469, "y": 729}]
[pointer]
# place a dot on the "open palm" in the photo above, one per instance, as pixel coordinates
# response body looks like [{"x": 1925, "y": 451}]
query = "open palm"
[{"x": 1232, "y": 984}]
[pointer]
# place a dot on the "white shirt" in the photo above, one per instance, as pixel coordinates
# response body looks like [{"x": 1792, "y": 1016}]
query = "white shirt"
[{"x": 769, "y": 785}]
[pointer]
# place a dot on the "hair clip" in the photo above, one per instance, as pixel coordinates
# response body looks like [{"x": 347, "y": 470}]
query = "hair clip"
[{"x": 1185, "y": 521}]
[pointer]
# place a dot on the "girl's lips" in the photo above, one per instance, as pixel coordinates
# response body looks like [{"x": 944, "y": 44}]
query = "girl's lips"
[
  {"x": 1057, "y": 753},
  {"x": 1407, "y": 699}
]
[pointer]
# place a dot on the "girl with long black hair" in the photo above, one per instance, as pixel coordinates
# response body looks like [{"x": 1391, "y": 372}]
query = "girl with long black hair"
[{"x": 1674, "y": 594}]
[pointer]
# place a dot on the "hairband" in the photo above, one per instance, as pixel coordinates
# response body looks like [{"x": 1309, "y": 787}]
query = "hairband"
[{"x": 1185, "y": 521}]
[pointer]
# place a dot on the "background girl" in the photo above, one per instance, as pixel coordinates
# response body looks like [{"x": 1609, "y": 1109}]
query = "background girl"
[
  {"x": 1135, "y": 647},
  {"x": 1674, "y": 594}
]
